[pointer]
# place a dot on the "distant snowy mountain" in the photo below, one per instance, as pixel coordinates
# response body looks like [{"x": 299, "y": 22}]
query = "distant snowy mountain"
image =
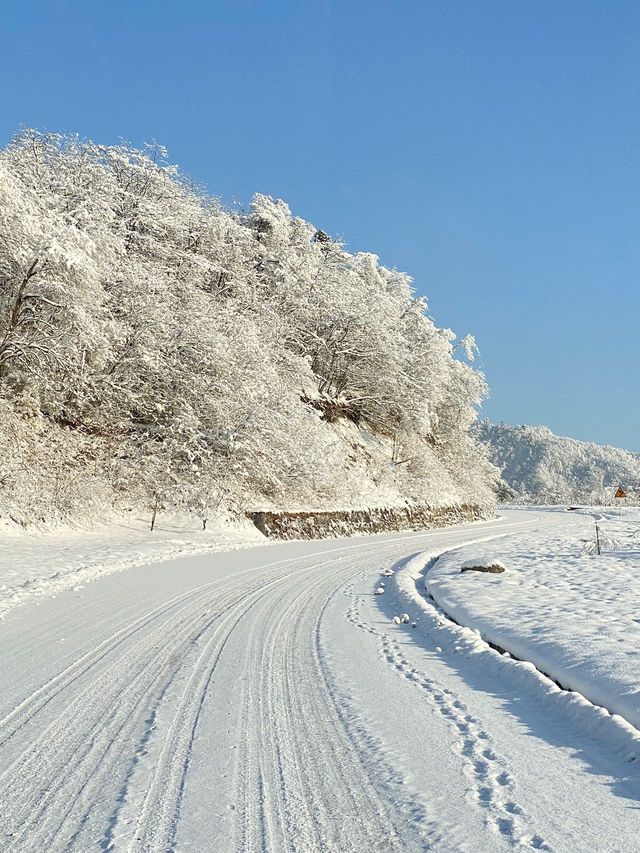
[{"x": 540, "y": 467}]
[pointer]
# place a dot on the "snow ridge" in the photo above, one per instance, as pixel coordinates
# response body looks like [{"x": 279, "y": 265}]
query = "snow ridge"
[{"x": 595, "y": 720}]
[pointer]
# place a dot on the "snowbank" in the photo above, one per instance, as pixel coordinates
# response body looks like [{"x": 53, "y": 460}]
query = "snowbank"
[
  {"x": 575, "y": 616},
  {"x": 572, "y": 709}
]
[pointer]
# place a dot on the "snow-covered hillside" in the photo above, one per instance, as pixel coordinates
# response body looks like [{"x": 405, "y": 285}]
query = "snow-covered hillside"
[
  {"x": 540, "y": 467},
  {"x": 156, "y": 348}
]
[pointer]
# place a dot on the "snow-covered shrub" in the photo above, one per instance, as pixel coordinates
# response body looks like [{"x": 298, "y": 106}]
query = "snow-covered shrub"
[{"x": 602, "y": 542}]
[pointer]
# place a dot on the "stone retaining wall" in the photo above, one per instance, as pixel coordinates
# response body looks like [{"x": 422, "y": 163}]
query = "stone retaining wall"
[{"x": 318, "y": 525}]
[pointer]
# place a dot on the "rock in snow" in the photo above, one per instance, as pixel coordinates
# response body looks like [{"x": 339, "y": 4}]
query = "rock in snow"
[{"x": 492, "y": 567}]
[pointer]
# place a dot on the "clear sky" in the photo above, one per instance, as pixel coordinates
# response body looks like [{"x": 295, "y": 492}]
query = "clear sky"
[{"x": 491, "y": 149}]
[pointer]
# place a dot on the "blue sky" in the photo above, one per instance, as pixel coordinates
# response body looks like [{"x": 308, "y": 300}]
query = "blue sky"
[{"x": 490, "y": 149}]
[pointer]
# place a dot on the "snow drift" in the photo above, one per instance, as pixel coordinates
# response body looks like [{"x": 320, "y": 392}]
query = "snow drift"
[{"x": 572, "y": 615}]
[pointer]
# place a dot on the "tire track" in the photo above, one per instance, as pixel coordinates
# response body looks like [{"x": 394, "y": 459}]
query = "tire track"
[
  {"x": 315, "y": 766},
  {"x": 111, "y": 767},
  {"x": 156, "y": 824},
  {"x": 94, "y": 732},
  {"x": 106, "y": 722}
]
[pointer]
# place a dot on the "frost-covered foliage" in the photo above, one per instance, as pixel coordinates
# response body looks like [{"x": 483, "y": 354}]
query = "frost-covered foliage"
[
  {"x": 156, "y": 347},
  {"x": 542, "y": 468}
]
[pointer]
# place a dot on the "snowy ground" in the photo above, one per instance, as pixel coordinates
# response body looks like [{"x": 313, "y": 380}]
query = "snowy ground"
[
  {"x": 576, "y": 616},
  {"x": 263, "y": 699},
  {"x": 36, "y": 564}
]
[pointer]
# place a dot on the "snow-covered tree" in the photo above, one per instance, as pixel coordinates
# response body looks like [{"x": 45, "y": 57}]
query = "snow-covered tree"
[
  {"x": 540, "y": 467},
  {"x": 171, "y": 351}
]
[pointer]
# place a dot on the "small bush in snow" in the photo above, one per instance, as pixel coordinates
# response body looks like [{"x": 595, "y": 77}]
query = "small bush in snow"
[{"x": 604, "y": 542}]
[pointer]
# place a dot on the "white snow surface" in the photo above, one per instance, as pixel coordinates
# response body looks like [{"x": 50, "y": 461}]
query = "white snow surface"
[
  {"x": 37, "y": 563},
  {"x": 264, "y": 699},
  {"x": 576, "y": 616}
]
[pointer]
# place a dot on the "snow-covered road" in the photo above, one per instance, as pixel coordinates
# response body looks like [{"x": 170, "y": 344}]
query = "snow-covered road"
[{"x": 263, "y": 700}]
